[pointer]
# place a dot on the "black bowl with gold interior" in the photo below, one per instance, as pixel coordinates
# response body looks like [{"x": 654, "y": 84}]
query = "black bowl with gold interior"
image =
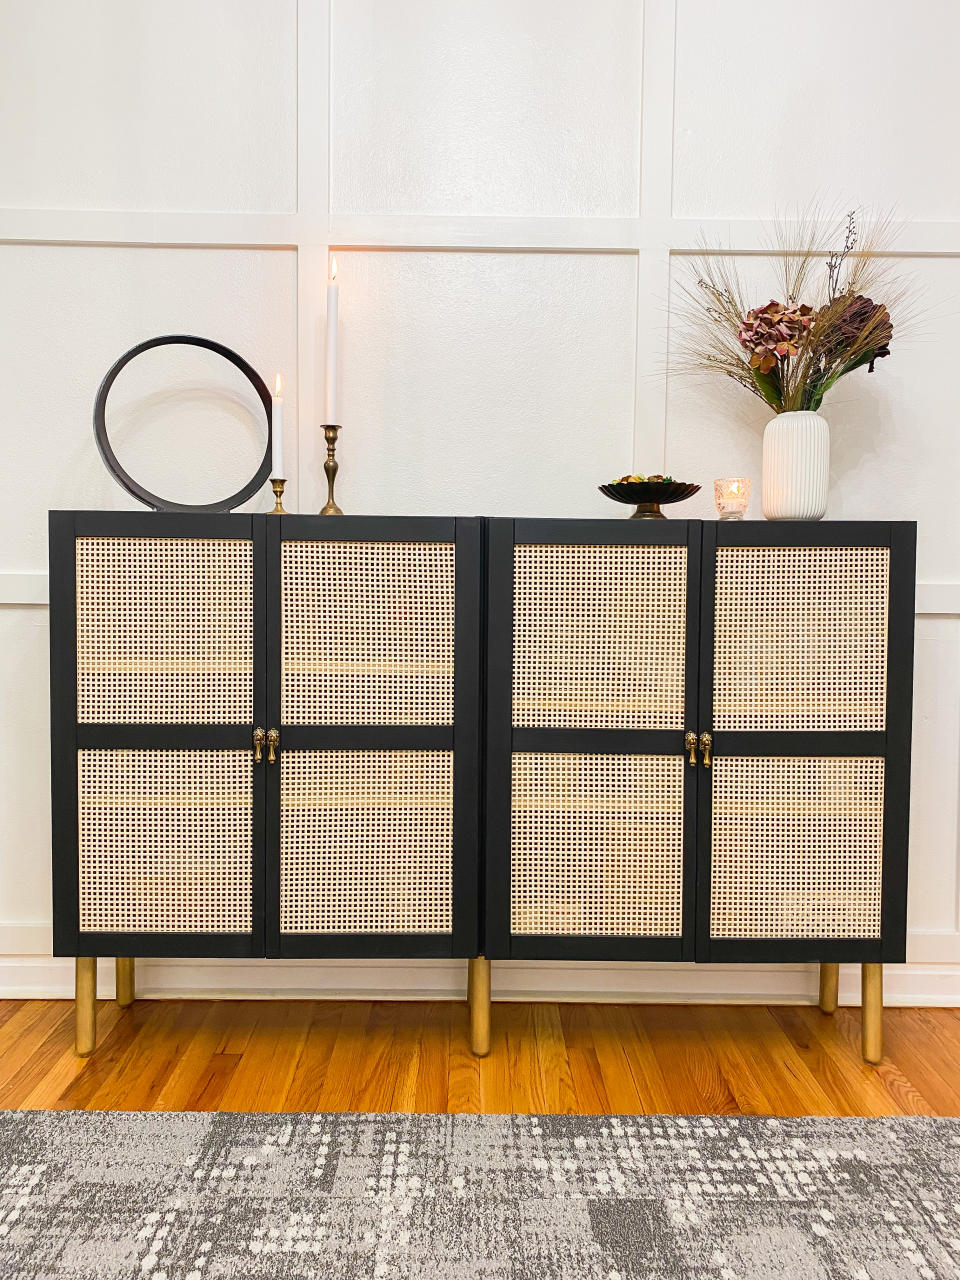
[{"x": 648, "y": 495}]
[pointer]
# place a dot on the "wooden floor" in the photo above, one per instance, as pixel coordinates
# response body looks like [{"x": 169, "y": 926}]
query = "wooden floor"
[{"x": 298, "y": 1055}]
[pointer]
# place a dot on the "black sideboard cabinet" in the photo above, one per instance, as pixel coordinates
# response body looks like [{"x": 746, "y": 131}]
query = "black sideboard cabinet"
[{"x": 403, "y": 736}]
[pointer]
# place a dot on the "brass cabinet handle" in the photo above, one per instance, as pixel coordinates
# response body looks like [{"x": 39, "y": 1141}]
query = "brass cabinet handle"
[
  {"x": 273, "y": 741},
  {"x": 690, "y": 744},
  {"x": 258, "y": 739},
  {"x": 706, "y": 742}
]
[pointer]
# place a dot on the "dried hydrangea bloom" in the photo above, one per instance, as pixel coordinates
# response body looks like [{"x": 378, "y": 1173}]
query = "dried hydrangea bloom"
[
  {"x": 861, "y": 318},
  {"x": 773, "y": 332}
]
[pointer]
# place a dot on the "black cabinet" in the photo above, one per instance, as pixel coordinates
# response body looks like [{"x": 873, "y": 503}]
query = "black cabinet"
[
  {"x": 265, "y": 735},
  {"x": 698, "y": 740}
]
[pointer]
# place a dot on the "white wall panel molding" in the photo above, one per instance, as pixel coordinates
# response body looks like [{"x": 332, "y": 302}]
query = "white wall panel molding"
[
  {"x": 32, "y": 976},
  {"x": 24, "y": 588},
  {"x": 402, "y": 231}
]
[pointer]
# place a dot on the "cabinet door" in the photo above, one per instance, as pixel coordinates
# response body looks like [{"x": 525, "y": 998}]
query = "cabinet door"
[
  {"x": 373, "y": 683},
  {"x": 806, "y": 686},
  {"x": 158, "y": 808},
  {"x": 591, "y": 804}
]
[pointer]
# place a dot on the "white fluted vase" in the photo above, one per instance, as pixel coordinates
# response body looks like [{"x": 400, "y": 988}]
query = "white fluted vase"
[{"x": 796, "y": 466}]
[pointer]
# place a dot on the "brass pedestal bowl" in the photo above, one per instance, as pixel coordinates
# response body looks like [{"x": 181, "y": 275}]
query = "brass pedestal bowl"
[{"x": 648, "y": 495}]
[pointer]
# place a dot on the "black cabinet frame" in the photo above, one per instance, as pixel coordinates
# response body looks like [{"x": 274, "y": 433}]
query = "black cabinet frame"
[
  {"x": 702, "y": 539},
  {"x": 502, "y": 739},
  {"x": 69, "y": 736},
  {"x": 893, "y": 743}
]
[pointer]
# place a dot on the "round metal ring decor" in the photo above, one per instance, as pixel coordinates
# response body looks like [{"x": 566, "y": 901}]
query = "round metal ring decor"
[{"x": 110, "y": 458}]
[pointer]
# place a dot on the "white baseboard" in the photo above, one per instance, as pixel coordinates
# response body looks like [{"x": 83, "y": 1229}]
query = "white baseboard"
[{"x": 47, "y": 977}]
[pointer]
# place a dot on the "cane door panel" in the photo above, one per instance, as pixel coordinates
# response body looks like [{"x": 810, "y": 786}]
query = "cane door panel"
[
  {"x": 591, "y": 649},
  {"x": 376, "y": 689},
  {"x": 802, "y": 850},
  {"x": 158, "y": 809}
]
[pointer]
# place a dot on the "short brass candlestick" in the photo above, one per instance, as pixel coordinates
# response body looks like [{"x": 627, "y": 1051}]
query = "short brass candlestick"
[
  {"x": 278, "y": 486},
  {"x": 331, "y": 467}
]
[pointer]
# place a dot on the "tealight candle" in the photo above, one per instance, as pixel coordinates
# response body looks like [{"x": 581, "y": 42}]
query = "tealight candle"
[{"x": 731, "y": 497}]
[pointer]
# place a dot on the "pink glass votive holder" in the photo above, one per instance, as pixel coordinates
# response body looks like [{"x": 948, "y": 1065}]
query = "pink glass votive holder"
[{"x": 731, "y": 497}]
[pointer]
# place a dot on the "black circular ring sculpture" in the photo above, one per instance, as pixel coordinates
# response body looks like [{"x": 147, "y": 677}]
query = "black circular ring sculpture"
[{"x": 127, "y": 481}]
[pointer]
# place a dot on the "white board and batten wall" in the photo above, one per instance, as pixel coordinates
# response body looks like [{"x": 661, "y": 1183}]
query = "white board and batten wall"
[{"x": 511, "y": 187}]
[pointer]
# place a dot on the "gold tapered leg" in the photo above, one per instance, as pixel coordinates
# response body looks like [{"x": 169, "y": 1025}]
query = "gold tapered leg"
[
  {"x": 86, "y": 1005},
  {"x": 126, "y": 981},
  {"x": 871, "y": 1012},
  {"x": 829, "y": 983},
  {"x": 478, "y": 998}
]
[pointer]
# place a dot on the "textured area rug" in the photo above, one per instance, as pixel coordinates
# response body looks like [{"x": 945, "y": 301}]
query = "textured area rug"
[{"x": 195, "y": 1197}]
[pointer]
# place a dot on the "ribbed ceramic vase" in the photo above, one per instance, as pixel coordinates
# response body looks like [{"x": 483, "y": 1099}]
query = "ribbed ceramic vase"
[{"x": 796, "y": 466}]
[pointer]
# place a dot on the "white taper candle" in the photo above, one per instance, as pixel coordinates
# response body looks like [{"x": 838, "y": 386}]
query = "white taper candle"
[
  {"x": 330, "y": 406},
  {"x": 277, "y": 457}
]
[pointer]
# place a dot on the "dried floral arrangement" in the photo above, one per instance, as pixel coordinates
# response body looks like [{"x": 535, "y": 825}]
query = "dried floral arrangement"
[{"x": 791, "y": 353}]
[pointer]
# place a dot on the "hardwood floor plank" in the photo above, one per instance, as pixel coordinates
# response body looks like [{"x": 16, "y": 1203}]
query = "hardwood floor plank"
[
  {"x": 8, "y": 1008},
  {"x": 188, "y": 1078},
  {"x": 912, "y": 1043},
  {"x": 556, "y": 1081},
  {"x": 828, "y": 1062},
  {"x": 385, "y": 1047},
  {"x": 265, "y": 1071},
  {"x": 432, "y": 1087},
  {"x": 74, "y": 1081},
  {"x": 584, "y": 1068},
  {"x": 792, "y": 1088},
  {"x": 690, "y": 1071},
  {"x": 494, "y": 1070},
  {"x": 141, "y": 1072},
  {"x": 307, "y": 1055},
  {"x": 54, "y": 1077},
  {"x": 736, "y": 1062},
  {"x": 33, "y": 1031},
  {"x": 618, "y": 1082},
  {"x": 526, "y": 1087},
  {"x": 310, "y": 1072},
  {"x": 902, "y": 1092},
  {"x": 340, "y": 1083},
  {"x": 463, "y": 1082},
  {"x": 641, "y": 1056}
]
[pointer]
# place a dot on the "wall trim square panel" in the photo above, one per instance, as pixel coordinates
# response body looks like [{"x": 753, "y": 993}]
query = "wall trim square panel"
[
  {"x": 599, "y": 636},
  {"x": 165, "y": 841},
  {"x": 800, "y": 638},
  {"x": 596, "y": 845},
  {"x": 164, "y": 630},
  {"x": 368, "y": 632},
  {"x": 366, "y": 842},
  {"x": 796, "y": 847}
]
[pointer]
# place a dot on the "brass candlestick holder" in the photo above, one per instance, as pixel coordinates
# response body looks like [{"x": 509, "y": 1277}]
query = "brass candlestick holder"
[
  {"x": 278, "y": 486},
  {"x": 331, "y": 467}
]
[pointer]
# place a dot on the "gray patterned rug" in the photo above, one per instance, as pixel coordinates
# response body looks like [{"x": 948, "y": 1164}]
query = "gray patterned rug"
[{"x": 196, "y": 1197}]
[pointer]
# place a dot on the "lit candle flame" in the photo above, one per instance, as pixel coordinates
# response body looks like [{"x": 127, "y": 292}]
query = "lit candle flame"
[
  {"x": 278, "y": 387},
  {"x": 333, "y": 266},
  {"x": 735, "y": 487}
]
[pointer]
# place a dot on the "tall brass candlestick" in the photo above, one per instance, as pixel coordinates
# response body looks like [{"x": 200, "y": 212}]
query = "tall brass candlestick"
[{"x": 331, "y": 467}]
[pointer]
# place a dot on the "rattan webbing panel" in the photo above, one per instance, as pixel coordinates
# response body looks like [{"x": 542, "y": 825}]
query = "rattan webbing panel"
[
  {"x": 164, "y": 631},
  {"x": 596, "y": 845},
  {"x": 797, "y": 847},
  {"x": 368, "y": 632},
  {"x": 599, "y": 636},
  {"x": 801, "y": 638},
  {"x": 165, "y": 841},
  {"x": 366, "y": 842}
]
